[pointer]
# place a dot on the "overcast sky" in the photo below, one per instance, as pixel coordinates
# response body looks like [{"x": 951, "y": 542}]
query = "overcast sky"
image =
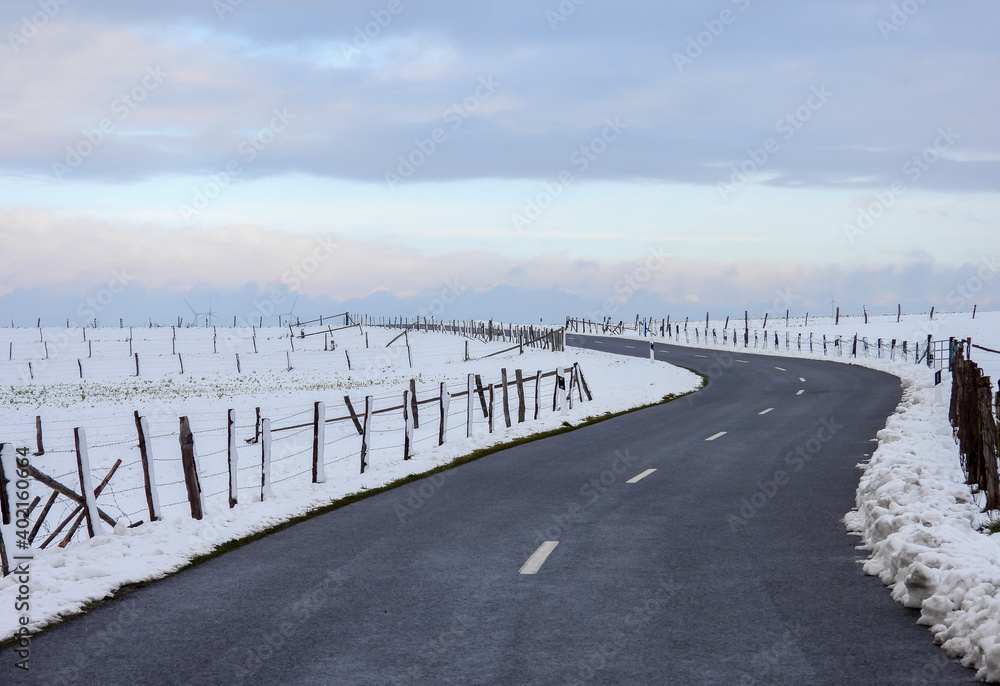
[{"x": 549, "y": 158}]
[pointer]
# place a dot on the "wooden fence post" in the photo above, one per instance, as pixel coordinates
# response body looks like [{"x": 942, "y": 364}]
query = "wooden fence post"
[
  {"x": 94, "y": 526},
  {"x": 148, "y": 471},
  {"x": 506, "y": 397},
  {"x": 38, "y": 436},
  {"x": 538, "y": 392},
  {"x": 8, "y": 477},
  {"x": 319, "y": 443},
  {"x": 233, "y": 459},
  {"x": 413, "y": 404},
  {"x": 489, "y": 416},
  {"x": 468, "y": 406},
  {"x": 189, "y": 462},
  {"x": 265, "y": 460},
  {"x": 444, "y": 404},
  {"x": 366, "y": 436},
  {"x": 555, "y": 389},
  {"x": 407, "y": 425},
  {"x": 137, "y": 364},
  {"x": 518, "y": 375}
]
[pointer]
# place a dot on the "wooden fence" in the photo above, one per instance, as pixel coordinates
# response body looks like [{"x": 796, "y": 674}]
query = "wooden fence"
[
  {"x": 974, "y": 412},
  {"x": 510, "y": 399}
]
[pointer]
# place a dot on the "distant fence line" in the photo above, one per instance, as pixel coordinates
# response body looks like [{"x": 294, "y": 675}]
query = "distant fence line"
[
  {"x": 850, "y": 346},
  {"x": 75, "y": 353}
]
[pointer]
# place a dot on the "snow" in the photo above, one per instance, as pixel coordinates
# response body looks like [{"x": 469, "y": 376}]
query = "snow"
[
  {"x": 64, "y": 580},
  {"x": 914, "y": 513}
]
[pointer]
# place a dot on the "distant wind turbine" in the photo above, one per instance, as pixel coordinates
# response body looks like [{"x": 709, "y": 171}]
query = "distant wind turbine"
[
  {"x": 209, "y": 316},
  {"x": 290, "y": 313}
]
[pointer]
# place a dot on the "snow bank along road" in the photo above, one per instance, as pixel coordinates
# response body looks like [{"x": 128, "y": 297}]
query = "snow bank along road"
[{"x": 697, "y": 542}]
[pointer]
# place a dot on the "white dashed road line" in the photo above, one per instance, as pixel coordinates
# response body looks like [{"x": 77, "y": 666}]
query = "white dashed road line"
[
  {"x": 743, "y": 361},
  {"x": 781, "y": 369},
  {"x": 766, "y": 411},
  {"x": 718, "y": 435},
  {"x": 801, "y": 391},
  {"x": 640, "y": 477},
  {"x": 538, "y": 558},
  {"x": 802, "y": 380}
]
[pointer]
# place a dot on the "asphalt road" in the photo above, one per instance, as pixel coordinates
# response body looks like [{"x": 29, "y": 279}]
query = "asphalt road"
[{"x": 728, "y": 564}]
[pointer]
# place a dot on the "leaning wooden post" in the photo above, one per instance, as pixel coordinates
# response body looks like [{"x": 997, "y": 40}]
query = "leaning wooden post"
[
  {"x": 319, "y": 443},
  {"x": 265, "y": 460},
  {"x": 233, "y": 459},
  {"x": 366, "y": 436},
  {"x": 189, "y": 462},
  {"x": 444, "y": 404},
  {"x": 506, "y": 397},
  {"x": 41, "y": 517},
  {"x": 148, "y": 472},
  {"x": 94, "y": 526},
  {"x": 407, "y": 425},
  {"x": 583, "y": 381}
]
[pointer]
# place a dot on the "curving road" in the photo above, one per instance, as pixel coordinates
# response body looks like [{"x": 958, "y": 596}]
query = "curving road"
[{"x": 728, "y": 564}]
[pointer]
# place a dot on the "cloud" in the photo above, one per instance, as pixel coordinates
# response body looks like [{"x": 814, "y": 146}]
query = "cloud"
[
  {"x": 357, "y": 114},
  {"x": 65, "y": 261}
]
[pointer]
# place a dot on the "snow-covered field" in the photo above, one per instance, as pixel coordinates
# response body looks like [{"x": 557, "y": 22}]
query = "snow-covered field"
[
  {"x": 63, "y": 580},
  {"x": 914, "y": 512}
]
